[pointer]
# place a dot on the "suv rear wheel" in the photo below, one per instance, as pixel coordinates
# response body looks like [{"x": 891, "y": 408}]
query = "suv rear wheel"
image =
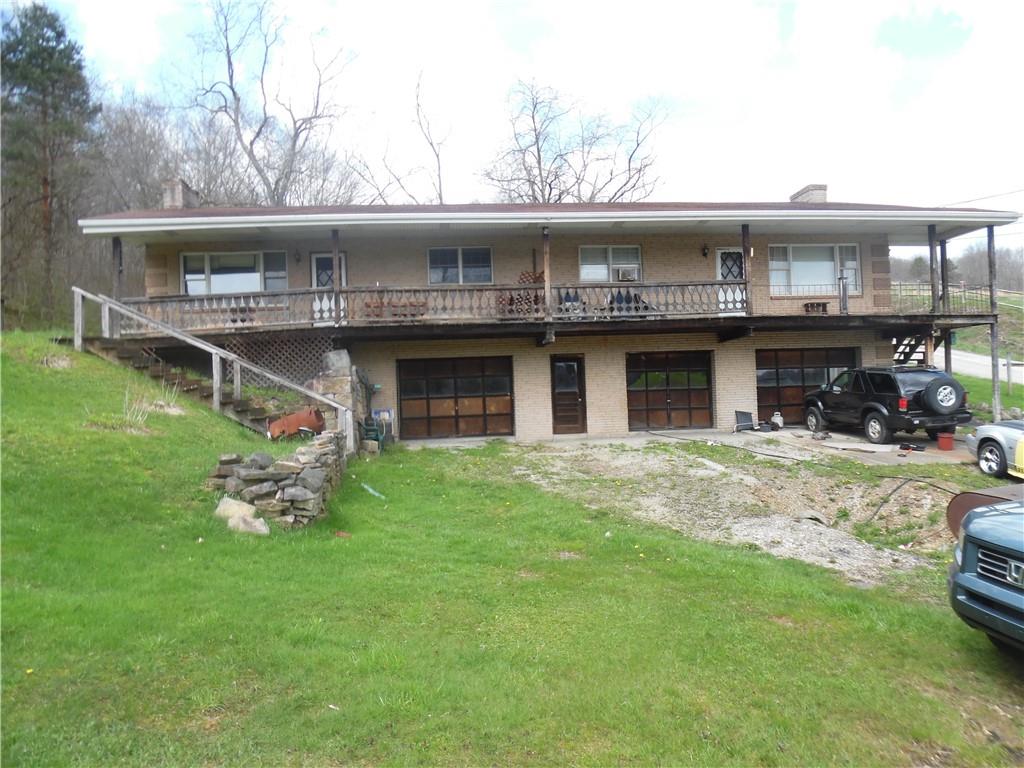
[
  {"x": 814, "y": 420},
  {"x": 875, "y": 428}
]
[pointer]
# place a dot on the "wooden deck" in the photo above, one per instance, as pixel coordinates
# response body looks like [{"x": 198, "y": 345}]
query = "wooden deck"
[{"x": 519, "y": 305}]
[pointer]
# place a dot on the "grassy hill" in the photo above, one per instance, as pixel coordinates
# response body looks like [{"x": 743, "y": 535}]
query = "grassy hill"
[
  {"x": 471, "y": 618},
  {"x": 1011, "y": 332}
]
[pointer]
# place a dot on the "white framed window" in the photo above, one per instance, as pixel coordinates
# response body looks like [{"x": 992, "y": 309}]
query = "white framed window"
[
  {"x": 234, "y": 272},
  {"x": 610, "y": 264},
  {"x": 813, "y": 269},
  {"x": 460, "y": 265}
]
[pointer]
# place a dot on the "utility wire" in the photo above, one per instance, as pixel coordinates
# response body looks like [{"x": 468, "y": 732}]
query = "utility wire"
[{"x": 986, "y": 197}]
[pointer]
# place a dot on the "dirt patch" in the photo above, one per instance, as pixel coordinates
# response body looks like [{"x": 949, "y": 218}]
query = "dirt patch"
[{"x": 780, "y": 506}]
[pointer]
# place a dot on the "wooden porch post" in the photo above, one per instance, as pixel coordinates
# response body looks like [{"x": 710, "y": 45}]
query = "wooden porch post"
[
  {"x": 944, "y": 276},
  {"x": 947, "y": 349},
  {"x": 997, "y": 405},
  {"x": 218, "y": 375},
  {"x": 118, "y": 267},
  {"x": 747, "y": 258},
  {"x": 336, "y": 256},
  {"x": 79, "y": 320},
  {"x": 546, "y": 239},
  {"x": 933, "y": 268},
  {"x": 236, "y": 376},
  {"x": 117, "y": 256}
]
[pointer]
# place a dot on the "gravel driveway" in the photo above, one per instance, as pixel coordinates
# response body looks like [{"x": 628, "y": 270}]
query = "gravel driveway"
[{"x": 780, "y": 505}]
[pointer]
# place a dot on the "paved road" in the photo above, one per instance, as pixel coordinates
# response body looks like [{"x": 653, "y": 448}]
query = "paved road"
[{"x": 971, "y": 364}]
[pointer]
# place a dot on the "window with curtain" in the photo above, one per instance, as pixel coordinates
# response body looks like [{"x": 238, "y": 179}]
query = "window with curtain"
[
  {"x": 809, "y": 270},
  {"x": 455, "y": 266},
  {"x": 243, "y": 272},
  {"x": 601, "y": 263}
]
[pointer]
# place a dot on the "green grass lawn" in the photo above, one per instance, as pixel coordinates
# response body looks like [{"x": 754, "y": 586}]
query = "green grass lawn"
[
  {"x": 470, "y": 619},
  {"x": 980, "y": 391}
]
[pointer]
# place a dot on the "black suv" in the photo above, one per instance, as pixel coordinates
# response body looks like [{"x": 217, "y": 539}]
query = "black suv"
[{"x": 887, "y": 400}]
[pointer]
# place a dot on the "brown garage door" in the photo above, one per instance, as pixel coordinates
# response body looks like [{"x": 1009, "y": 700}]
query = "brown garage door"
[
  {"x": 784, "y": 376},
  {"x": 668, "y": 389},
  {"x": 455, "y": 397}
]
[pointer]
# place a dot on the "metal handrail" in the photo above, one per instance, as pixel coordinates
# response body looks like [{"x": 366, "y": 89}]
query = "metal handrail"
[{"x": 217, "y": 354}]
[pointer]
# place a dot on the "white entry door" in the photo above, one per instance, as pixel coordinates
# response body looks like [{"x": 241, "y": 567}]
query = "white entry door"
[
  {"x": 729, "y": 266},
  {"x": 322, "y": 268}
]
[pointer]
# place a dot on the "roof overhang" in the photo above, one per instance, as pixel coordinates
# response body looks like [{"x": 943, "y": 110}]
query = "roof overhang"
[{"x": 902, "y": 227}]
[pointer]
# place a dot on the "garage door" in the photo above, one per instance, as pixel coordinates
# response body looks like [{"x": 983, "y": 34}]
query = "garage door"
[
  {"x": 668, "y": 390},
  {"x": 784, "y": 376},
  {"x": 455, "y": 397}
]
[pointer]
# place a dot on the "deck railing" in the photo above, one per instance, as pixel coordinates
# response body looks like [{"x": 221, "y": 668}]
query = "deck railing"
[
  {"x": 458, "y": 304},
  {"x": 576, "y": 302},
  {"x": 616, "y": 301},
  {"x": 916, "y": 299}
]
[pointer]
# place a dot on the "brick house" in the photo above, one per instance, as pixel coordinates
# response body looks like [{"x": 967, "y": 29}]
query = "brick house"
[{"x": 537, "y": 320}]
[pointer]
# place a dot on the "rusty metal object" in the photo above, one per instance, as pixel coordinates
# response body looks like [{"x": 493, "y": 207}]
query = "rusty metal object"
[
  {"x": 309, "y": 418},
  {"x": 964, "y": 502}
]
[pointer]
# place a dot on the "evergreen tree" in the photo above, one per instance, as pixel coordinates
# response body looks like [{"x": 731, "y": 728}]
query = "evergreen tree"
[{"x": 47, "y": 110}]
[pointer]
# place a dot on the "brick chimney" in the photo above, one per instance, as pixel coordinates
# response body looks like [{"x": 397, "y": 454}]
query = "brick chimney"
[
  {"x": 812, "y": 193},
  {"x": 178, "y": 194}
]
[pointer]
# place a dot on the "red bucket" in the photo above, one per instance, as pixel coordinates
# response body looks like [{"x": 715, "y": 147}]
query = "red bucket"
[{"x": 945, "y": 441}]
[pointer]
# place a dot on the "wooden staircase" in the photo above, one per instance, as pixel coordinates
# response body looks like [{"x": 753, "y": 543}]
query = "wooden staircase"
[
  {"x": 230, "y": 404},
  {"x": 911, "y": 350},
  {"x": 146, "y": 361}
]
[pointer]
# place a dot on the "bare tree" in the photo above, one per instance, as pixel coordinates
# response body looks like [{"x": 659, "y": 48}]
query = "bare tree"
[
  {"x": 282, "y": 142},
  {"x": 383, "y": 184},
  {"x": 433, "y": 143},
  {"x": 559, "y": 155}
]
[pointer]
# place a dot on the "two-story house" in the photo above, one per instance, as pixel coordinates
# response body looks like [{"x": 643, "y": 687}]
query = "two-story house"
[{"x": 537, "y": 320}]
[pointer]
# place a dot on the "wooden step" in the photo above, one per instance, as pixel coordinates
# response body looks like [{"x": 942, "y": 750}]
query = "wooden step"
[
  {"x": 256, "y": 413},
  {"x": 126, "y": 353},
  {"x": 144, "y": 361},
  {"x": 241, "y": 406},
  {"x": 158, "y": 371}
]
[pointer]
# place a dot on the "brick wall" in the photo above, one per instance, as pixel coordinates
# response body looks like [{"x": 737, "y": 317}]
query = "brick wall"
[{"x": 733, "y": 373}]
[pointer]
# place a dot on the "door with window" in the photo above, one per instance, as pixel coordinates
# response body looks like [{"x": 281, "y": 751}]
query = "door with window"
[
  {"x": 568, "y": 395},
  {"x": 729, "y": 266},
  {"x": 322, "y": 268}
]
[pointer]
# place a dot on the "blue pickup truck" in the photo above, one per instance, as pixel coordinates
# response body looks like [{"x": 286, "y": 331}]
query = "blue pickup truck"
[{"x": 986, "y": 581}]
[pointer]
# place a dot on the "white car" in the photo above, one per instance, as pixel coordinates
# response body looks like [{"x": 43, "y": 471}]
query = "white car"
[{"x": 999, "y": 448}]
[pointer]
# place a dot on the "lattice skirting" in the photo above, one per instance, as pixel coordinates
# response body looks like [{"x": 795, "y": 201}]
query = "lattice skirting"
[{"x": 297, "y": 359}]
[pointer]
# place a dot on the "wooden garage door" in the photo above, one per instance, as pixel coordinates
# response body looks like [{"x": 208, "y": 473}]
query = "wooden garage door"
[
  {"x": 668, "y": 390},
  {"x": 455, "y": 397},
  {"x": 784, "y": 376}
]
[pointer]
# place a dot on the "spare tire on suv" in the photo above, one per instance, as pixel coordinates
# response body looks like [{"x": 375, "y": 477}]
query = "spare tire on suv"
[{"x": 943, "y": 395}]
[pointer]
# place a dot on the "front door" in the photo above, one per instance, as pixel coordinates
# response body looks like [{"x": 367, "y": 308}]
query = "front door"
[
  {"x": 729, "y": 266},
  {"x": 322, "y": 266},
  {"x": 568, "y": 395}
]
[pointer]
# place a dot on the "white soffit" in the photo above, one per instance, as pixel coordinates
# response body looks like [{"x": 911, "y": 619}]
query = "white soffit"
[{"x": 903, "y": 227}]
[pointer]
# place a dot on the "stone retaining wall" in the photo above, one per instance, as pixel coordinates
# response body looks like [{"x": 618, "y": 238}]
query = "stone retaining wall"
[{"x": 289, "y": 491}]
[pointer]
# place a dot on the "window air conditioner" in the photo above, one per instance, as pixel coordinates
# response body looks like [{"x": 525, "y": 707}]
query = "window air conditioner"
[{"x": 627, "y": 274}]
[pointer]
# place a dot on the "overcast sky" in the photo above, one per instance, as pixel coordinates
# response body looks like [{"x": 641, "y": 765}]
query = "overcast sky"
[{"x": 915, "y": 103}]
